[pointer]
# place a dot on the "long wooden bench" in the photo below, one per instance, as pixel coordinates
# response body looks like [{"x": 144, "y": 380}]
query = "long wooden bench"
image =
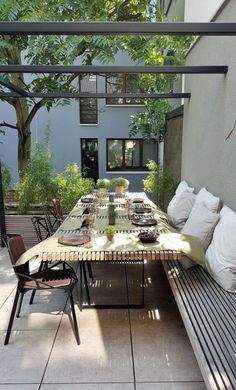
[{"x": 209, "y": 316}]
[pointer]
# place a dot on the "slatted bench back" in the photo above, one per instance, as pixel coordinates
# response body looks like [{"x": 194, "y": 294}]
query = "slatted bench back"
[{"x": 209, "y": 315}]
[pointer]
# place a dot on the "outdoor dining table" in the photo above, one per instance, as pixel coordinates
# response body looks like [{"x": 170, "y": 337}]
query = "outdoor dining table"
[{"x": 126, "y": 246}]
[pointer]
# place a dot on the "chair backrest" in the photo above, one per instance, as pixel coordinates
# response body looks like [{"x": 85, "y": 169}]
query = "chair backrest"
[
  {"x": 42, "y": 228},
  {"x": 51, "y": 217},
  {"x": 7, "y": 237},
  {"x": 16, "y": 248},
  {"x": 58, "y": 209}
]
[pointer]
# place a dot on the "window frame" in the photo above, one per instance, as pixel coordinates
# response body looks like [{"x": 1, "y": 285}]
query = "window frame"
[
  {"x": 123, "y": 88},
  {"x": 85, "y": 99},
  {"x": 124, "y": 168}
]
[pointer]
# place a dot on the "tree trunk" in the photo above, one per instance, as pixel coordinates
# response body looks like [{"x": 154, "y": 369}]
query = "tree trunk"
[
  {"x": 24, "y": 146},
  {"x": 24, "y": 134}
]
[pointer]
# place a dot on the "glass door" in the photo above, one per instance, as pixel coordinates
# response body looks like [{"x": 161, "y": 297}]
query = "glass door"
[{"x": 89, "y": 157}]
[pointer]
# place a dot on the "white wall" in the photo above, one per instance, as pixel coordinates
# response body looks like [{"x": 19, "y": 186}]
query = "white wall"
[
  {"x": 201, "y": 10},
  {"x": 208, "y": 159}
]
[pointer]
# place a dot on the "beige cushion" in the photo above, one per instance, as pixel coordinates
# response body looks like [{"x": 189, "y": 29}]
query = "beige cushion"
[
  {"x": 179, "y": 208},
  {"x": 201, "y": 224},
  {"x": 186, "y": 262},
  {"x": 221, "y": 253},
  {"x": 210, "y": 201}
]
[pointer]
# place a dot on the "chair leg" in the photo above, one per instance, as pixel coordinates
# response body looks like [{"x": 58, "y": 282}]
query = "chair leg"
[
  {"x": 18, "y": 291},
  {"x": 74, "y": 318},
  {"x": 85, "y": 282},
  {"x": 81, "y": 284},
  {"x": 41, "y": 268},
  {"x": 20, "y": 304},
  {"x": 90, "y": 271},
  {"x": 32, "y": 297}
]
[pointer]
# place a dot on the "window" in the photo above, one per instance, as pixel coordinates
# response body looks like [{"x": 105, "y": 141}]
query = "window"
[
  {"x": 130, "y": 154},
  {"x": 127, "y": 83},
  {"x": 88, "y": 106}
]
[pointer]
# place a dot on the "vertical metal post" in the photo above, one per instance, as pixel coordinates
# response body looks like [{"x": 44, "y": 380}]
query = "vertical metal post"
[{"x": 2, "y": 210}]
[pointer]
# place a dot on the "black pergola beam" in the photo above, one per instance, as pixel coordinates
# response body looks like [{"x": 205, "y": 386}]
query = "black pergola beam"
[
  {"x": 12, "y": 87},
  {"x": 116, "y": 28},
  {"x": 84, "y": 95},
  {"x": 97, "y": 69}
]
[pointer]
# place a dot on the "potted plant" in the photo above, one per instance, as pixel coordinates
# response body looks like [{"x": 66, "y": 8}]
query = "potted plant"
[
  {"x": 103, "y": 185},
  {"x": 110, "y": 232},
  {"x": 120, "y": 184}
]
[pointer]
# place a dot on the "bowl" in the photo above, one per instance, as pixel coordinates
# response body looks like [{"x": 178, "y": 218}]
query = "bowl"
[{"x": 148, "y": 237}]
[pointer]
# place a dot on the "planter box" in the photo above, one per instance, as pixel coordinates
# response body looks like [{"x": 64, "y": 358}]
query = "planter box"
[{"x": 21, "y": 224}]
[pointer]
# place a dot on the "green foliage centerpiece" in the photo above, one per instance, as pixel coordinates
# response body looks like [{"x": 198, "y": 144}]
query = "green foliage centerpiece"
[
  {"x": 103, "y": 185},
  {"x": 110, "y": 232},
  {"x": 120, "y": 184}
]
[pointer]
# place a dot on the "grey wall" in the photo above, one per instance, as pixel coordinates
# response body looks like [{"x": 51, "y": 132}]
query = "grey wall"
[
  {"x": 66, "y": 131},
  {"x": 201, "y": 10},
  {"x": 176, "y": 10},
  {"x": 208, "y": 159}
]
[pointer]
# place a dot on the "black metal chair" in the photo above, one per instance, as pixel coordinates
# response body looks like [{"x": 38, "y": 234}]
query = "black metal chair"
[
  {"x": 51, "y": 216},
  {"x": 42, "y": 228},
  {"x": 48, "y": 278}
]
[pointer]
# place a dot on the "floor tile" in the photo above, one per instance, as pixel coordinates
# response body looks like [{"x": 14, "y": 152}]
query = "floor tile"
[
  {"x": 2, "y": 301},
  {"x": 7, "y": 288},
  {"x": 30, "y": 386},
  {"x": 171, "y": 386},
  {"x": 89, "y": 386},
  {"x": 44, "y": 313},
  {"x": 103, "y": 361},
  {"x": 23, "y": 360},
  {"x": 159, "y": 336},
  {"x": 101, "y": 318},
  {"x": 104, "y": 355},
  {"x": 157, "y": 351}
]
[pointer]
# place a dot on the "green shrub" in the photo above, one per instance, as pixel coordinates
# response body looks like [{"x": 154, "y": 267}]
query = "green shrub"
[
  {"x": 6, "y": 178},
  {"x": 38, "y": 184},
  {"x": 71, "y": 186},
  {"x": 159, "y": 182}
]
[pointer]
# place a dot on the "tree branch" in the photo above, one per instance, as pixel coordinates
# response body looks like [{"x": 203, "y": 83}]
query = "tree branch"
[
  {"x": 34, "y": 110},
  {"x": 4, "y": 124}
]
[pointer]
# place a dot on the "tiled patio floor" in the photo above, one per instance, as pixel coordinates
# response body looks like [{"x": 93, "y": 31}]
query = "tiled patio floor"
[{"x": 142, "y": 349}]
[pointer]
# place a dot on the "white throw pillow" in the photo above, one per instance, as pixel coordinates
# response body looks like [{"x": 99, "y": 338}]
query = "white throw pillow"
[
  {"x": 201, "y": 224},
  {"x": 179, "y": 208},
  {"x": 221, "y": 253},
  {"x": 183, "y": 186},
  {"x": 209, "y": 200}
]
